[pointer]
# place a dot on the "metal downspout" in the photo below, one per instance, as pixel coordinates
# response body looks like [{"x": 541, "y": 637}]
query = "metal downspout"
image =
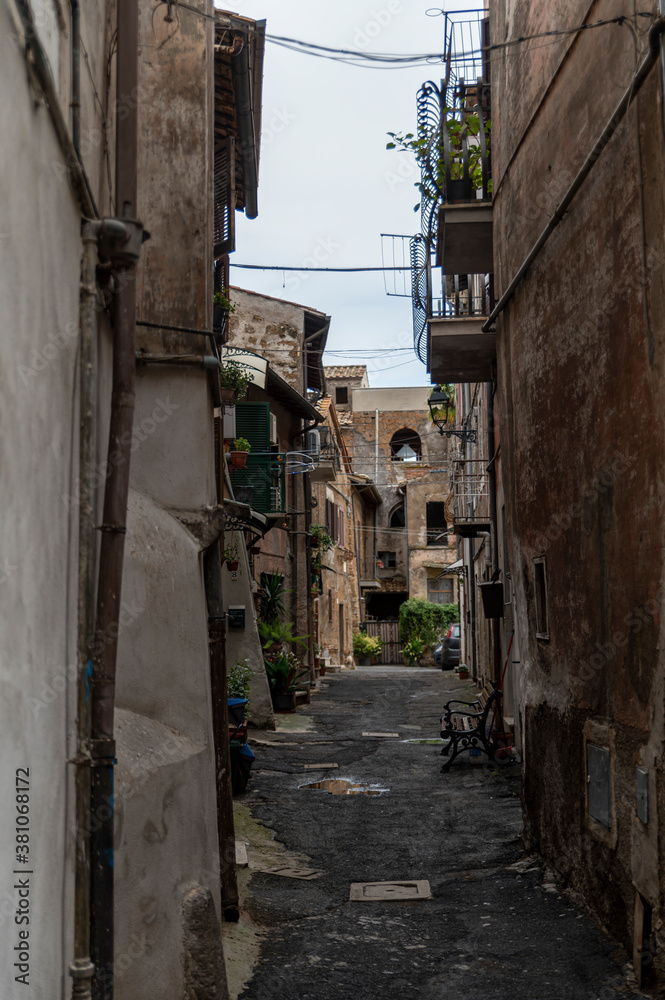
[
  {"x": 81, "y": 969},
  {"x": 494, "y": 532},
  {"x": 212, "y": 568},
  {"x": 76, "y": 76},
  {"x": 113, "y": 525}
]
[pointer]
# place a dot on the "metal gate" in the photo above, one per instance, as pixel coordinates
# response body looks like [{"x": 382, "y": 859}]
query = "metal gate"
[{"x": 388, "y": 633}]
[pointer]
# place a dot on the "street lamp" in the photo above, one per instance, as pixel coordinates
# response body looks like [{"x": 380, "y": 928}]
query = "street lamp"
[{"x": 436, "y": 402}]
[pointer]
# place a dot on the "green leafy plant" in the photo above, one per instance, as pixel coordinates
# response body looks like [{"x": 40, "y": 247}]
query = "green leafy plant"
[
  {"x": 222, "y": 299},
  {"x": 413, "y": 651},
  {"x": 366, "y": 646},
  {"x": 272, "y": 597},
  {"x": 238, "y": 680},
  {"x": 428, "y": 149},
  {"x": 283, "y": 670},
  {"x": 425, "y": 621},
  {"x": 241, "y": 444},
  {"x": 230, "y": 553},
  {"x": 322, "y": 542},
  {"x": 232, "y": 375},
  {"x": 321, "y": 537},
  {"x": 280, "y": 633}
]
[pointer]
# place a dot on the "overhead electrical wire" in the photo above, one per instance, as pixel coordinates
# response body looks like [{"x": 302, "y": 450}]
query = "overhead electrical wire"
[{"x": 291, "y": 267}]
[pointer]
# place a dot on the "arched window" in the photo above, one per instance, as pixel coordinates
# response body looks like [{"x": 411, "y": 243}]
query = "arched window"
[
  {"x": 397, "y": 519},
  {"x": 405, "y": 446}
]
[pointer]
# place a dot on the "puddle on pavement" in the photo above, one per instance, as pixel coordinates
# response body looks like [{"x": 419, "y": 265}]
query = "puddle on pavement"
[{"x": 340, "y": 786}]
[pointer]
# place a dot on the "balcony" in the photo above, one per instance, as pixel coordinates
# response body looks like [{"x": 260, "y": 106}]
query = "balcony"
[
  {"x": 471, "y": 498},
  {"x": 457, "y": 348},
  {"x": 465, "y": 243},
  {"x": 262, "y": 483},
  {"x": 326, "y": 465}
]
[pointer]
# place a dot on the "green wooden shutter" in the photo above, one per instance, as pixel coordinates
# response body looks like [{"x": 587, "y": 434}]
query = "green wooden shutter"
[{"x": 253, "y": 423}]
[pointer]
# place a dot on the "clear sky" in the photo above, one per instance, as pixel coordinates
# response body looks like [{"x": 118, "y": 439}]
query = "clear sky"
[{"x": 327, "y": 185}]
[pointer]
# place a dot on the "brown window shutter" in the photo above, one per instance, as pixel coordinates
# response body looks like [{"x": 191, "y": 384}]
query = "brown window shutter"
[{"x": 224, "y": 201}]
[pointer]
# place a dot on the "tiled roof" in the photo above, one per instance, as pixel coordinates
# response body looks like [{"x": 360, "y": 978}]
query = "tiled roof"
[
  {"x": 323, "y": 405},
  {"x": 345, "y": 371}
]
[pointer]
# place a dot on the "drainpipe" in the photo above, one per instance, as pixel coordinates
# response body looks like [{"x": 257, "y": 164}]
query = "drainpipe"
[
  {"x": 212, "y": 567},
  {"x": 494, "y": 533},
  {"x": 81, "y": 969},
  {"x": 376, "y": 446},
  {"x": 113, "y": 527},
  {"x": 76, "y": 76}
]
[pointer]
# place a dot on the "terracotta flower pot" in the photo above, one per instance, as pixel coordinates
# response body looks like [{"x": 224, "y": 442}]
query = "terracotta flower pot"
[
  {"x": 228, "y": 395},
  {"x": 462, "y": 674},
  {"x": 232, "y": 565},
  {"x": 238, "y": 459}
]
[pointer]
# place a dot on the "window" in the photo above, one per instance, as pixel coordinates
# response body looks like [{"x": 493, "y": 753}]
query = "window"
[
  {"x": 388, "y": 560},
  {"x": 397, "y": 518},
  {"x": 441, "y": 591},
  {"x": 542, "y": 611},
  {"x": 342, "y": 394},
  {"x": 335, "y": 522},
  {"x": 405, "y": 446},
  {"x": 436, "y": 523}
]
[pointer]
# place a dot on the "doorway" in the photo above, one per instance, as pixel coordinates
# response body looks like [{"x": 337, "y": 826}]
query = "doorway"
[{"x": 342, "y": 643}]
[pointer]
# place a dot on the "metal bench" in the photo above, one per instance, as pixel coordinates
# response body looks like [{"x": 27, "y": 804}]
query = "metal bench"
[{"x": 467, "y": 726}]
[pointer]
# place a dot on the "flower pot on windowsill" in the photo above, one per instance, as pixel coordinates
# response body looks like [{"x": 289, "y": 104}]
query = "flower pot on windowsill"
[
  {"x": 228, "y": 395},
  {"x": 238, "y": 459}
]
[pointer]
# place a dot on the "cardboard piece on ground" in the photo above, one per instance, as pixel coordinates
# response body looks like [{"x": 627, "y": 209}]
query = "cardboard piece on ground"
[
  {"x": 290, "y": 871},
  {"x": 319, "y": 767},
  {"x": 380, "y": 734},
  {"x": 408, "y": 889}
]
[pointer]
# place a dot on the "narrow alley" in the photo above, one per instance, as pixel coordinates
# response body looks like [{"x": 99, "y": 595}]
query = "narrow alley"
[{"x": 496, "y": 925}]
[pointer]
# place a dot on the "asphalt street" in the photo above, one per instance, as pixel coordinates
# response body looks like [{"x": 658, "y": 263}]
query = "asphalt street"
[{"x": 498, "y": 926}]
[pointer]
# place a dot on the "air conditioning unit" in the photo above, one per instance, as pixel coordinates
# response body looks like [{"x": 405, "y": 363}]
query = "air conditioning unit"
[
  {"x": 313, "y": 443},
  {"x": 273, "y": 429}
]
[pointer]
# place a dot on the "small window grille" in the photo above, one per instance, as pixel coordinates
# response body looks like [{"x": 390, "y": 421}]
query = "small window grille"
[{"x": 542, "y": 609}]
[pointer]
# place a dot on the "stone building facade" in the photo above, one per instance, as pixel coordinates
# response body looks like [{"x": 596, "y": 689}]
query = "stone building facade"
[
  {"x": 580, "y": 379},
  {"x": 391, "y": 439}
]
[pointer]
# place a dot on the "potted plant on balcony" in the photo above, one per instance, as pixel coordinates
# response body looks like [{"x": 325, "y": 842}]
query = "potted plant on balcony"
[
  {"x": 221, "y": 307},
  {"x": 233, "y": 381},
  {"x": 239, "y": 452}
]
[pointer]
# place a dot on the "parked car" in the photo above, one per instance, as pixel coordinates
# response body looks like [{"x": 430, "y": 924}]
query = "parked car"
[{"x": 447, "y": 652}]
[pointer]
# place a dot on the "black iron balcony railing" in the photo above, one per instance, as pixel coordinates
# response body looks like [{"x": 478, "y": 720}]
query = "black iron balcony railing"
[{"x": 454, "y": 119}]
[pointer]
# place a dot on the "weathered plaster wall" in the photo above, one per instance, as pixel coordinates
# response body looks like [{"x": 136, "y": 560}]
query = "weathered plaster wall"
[
  {"x": 581, "y": 361},
  {"x": 271, "y": 327},
  {"x": 39, "y": 415},
  {"x": 244, "y": 643}
]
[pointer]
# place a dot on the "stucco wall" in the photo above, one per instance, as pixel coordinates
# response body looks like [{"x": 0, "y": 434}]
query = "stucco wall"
[
  {"x": 581, "y": 364},
  {"x": 39, "y": 414}
]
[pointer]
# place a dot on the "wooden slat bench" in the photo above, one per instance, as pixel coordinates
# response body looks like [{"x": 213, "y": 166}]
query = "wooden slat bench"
[{"x": 467, "y": 725}]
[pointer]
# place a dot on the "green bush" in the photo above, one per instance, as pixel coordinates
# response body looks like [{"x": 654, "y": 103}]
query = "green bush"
[
  {"x": 413, "y": 650},
  {"x": 423, "y": 620},
  {"x": 366, "y": 646},
  {"x": 238, "y": 679}
]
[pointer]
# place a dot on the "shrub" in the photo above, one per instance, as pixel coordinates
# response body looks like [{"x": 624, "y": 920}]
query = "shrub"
[
  {"x": 423, "y": 620},
  {"x": 413, "y": 650},
  {"x": 238, "y": 680},
  {"x": 366, "y": 646}
]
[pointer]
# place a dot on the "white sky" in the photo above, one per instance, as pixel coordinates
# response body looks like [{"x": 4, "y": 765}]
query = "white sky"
[{"x": 327, "y": 184}]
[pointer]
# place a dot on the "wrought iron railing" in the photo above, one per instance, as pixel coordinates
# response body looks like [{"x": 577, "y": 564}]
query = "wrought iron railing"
[
  {"x": 471, "y": 489},
  {"x": 452, "y": 116},
  {"x": 262, "y": 482}
]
